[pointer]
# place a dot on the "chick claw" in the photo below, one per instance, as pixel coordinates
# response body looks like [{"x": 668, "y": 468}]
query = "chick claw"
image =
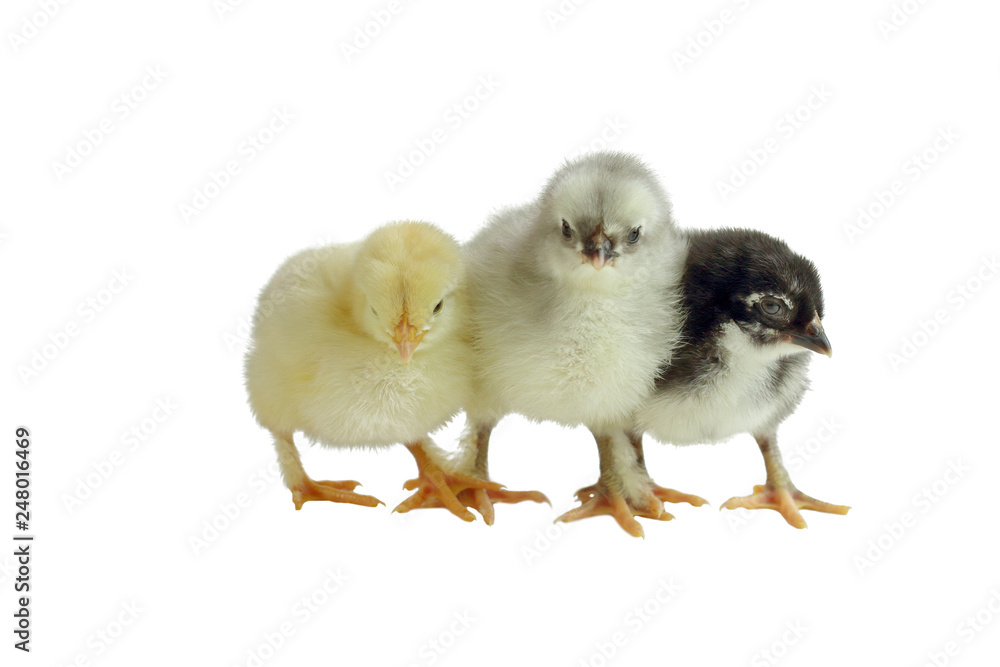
[
  {"x": 437, "y": 488},
  {"x": 596, "y": 500},
  {"x": 786, "y": 500},
  {"x": 337, "y": 492},
  {"x": 482, "y": 500},
  {"x": 672, "y": 496}
]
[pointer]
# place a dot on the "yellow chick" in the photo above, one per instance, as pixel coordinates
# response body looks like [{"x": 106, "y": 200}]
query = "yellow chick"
[{"x": 363, "y": 345}]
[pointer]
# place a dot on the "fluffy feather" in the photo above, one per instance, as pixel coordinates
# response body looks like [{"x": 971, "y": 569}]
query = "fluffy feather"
[
  {"x": 556, "y": 339},
  {"x": 573, "y": 299},
  {"x": 331, "y": 341},
  {"x": 734, "y": 374},
  {"x": 742, "y": 368}
]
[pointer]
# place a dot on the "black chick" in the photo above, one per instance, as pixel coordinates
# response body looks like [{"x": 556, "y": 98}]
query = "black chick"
[{"x": 753, "y": 310}]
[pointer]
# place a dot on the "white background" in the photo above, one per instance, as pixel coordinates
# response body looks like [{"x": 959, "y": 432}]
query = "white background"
[{"x": 862, "y": 589}]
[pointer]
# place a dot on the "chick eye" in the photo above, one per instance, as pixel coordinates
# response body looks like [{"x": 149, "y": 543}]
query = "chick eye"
[
  {"x": 373, "y": 312},
  {"x": 437, "y": 308},
  {"x": 772, "y": 306},
  {"x": 567, "y": 232},
  {"x": 633, "y": 236}
]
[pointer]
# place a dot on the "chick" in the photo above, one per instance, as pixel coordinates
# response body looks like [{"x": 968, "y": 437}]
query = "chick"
[
  {"x": 363, "y": 345},
  {"x": 753, "y": 317},
  {"x": 568, "y": 321}
]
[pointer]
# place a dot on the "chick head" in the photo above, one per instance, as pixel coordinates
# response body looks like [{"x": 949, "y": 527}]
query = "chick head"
[
  {"x": 768, "y": 292},
  {"x": 407, "y": 274},
  {"x": 603, "y": 211}
]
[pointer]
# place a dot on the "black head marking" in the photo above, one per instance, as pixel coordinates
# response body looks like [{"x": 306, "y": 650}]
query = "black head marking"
[{"x": 728, "y": 271}]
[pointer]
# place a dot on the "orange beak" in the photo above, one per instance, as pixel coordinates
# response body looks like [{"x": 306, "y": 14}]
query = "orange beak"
[{"x": 406, "y": 339}]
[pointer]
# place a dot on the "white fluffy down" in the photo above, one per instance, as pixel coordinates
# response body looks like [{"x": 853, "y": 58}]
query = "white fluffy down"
[
  {"x": 739, "y": 398},
  {"x": 556, "y": 339}
]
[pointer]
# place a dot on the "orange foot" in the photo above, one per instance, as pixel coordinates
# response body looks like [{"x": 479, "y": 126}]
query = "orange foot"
[
  {"x": 672, "y": 496},
  {"x": 335, "y": 492},
  {"x": 786, "y": 500},
  {"x": 439, "y": 488},
  {"x": 482, "y": 500},
  {"x": 597, "y": 499}
]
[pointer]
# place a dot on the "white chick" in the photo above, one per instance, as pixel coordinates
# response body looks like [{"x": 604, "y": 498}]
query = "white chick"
[
  {"x": 363, "y": 345},
  {"x": 569, "y": 324}
]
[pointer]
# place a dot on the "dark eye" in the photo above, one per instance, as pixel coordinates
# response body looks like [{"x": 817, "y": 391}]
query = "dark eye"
[
  {"x": 437, "y": 308},
  {"x": 633, "y": 236},
  {"x": 567, "y": 232},
  {"x": 373, "y": 312},
  {"x": 771, "y": 306}
]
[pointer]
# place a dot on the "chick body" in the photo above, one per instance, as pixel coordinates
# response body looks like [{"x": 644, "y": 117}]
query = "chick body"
[
  {"x": 572, "y": 305},
  {"x": 313, "y": 369},
  {"x": 361, "y": 344},
  {"x": 549, "y": 349},
  {"x": 742, "y": 369}
]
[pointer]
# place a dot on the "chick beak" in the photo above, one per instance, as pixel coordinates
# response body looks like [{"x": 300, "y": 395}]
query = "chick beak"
[
  {"x": 599, "y": 250},
  {"x": 812, "y": 338},
  {"x": 406, "y": 339}
]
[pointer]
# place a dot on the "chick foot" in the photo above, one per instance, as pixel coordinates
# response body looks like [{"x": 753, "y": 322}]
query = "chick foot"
[
  {"x": 786, "y": 500},
  {"x": 437, "y": 487},
  {"x": 482, "y": 500},
  {"x": 598, "y": 499},
  {"x": 672, "y": 496},
  {"x": 336, "y": 492}
]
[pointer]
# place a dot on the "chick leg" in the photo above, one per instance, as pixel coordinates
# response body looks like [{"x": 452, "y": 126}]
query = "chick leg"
[
  {"x": 778, "y": 493},
  {"x": 475, "y": 451},
  {"x": 434, "y": 483},
  {"x": 305, "y": 489},
  {"x": 624, "y": 490},
  {"x": 661, "y": 493},
  {"x": 482, "y": 499},
  {"x": 664, "y": 494}
]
